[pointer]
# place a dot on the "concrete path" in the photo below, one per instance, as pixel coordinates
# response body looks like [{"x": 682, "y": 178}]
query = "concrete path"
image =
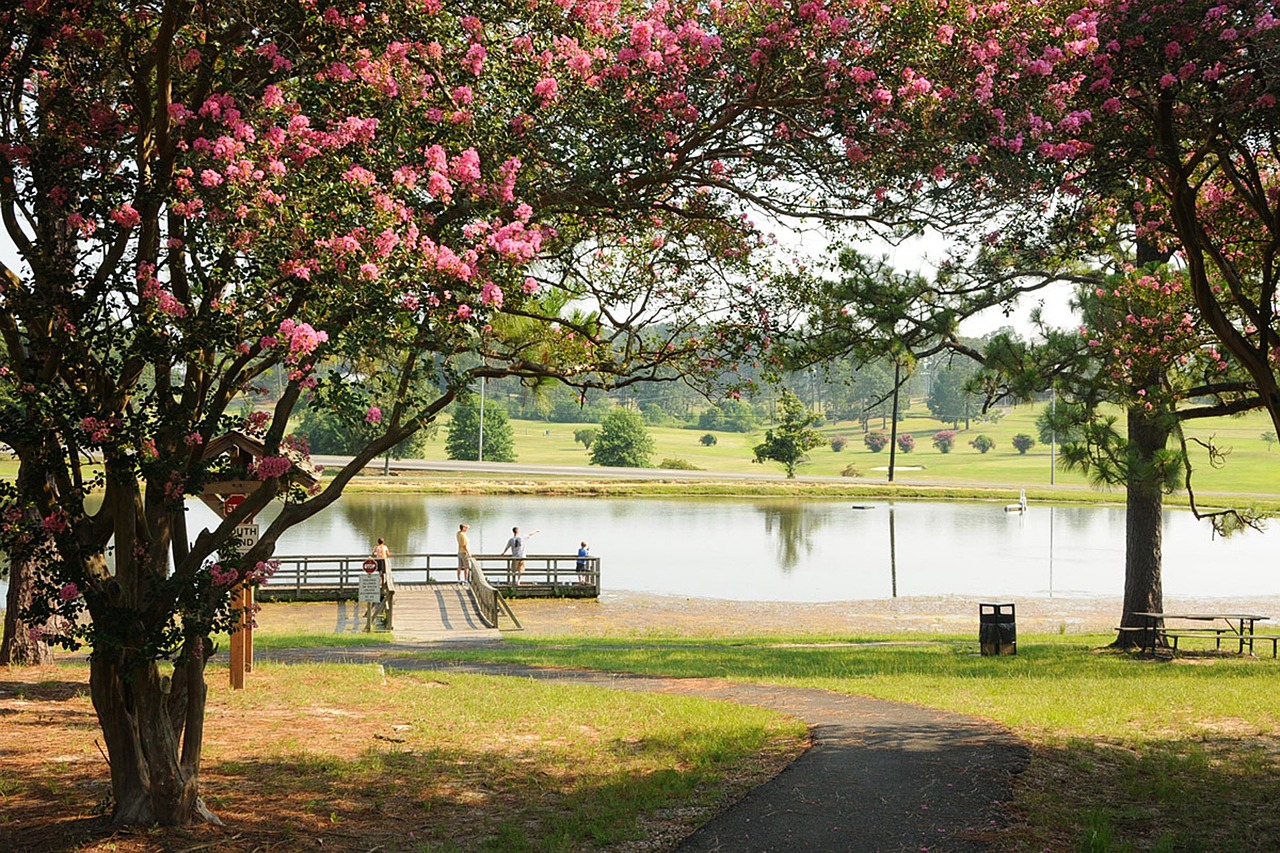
[{"x": 881, "y": 776}]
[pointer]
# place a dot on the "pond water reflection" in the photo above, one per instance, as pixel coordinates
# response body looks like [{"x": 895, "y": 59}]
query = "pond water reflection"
[{"x": 805, "y": 550}]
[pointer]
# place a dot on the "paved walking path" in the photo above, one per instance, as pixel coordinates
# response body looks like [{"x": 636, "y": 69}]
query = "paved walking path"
[{"x": 881, "y": 776}]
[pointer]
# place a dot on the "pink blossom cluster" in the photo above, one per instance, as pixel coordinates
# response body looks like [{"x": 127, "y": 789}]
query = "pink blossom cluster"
[
  {"x": 224, "y": 578},
  {"x": 301, "y": 339},
  {"x": 99, "y": 430},
  {"x": 262, "y": 571},
  {"x": 271, "y": 467}
]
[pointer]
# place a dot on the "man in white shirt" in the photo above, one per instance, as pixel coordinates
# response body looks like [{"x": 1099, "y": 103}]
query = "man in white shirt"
[{"x": 516, "y": 546}]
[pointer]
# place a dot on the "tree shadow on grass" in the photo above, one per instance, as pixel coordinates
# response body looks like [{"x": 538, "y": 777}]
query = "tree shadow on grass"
[{"x": 389, "y": 798}]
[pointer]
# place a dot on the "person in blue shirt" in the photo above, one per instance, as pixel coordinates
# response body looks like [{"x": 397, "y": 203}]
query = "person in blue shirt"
[{"x": 583, "y": 553}]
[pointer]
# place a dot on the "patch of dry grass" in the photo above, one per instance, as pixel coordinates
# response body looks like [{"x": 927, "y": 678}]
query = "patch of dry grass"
[{"x": 346, "y": 757}]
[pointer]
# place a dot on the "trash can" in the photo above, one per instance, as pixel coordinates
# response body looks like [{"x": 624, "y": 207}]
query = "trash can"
[{"x": 997, "y": 629}]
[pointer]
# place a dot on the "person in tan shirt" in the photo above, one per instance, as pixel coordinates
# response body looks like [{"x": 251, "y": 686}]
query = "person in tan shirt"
[{"x": 464, "y": 552}]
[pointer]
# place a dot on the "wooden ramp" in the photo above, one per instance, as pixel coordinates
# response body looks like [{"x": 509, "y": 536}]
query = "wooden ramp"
[{"x": 438, "y": 611}]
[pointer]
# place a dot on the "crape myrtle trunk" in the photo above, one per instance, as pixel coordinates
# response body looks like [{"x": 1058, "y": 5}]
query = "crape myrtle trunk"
[
  {"x": 1144, "y": 522},
  {"x": 152, "y": 723},
  {"x": 19, "y": 648}
]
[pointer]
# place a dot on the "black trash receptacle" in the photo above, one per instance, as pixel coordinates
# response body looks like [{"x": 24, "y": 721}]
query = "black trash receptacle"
[{"x": 997, "y": 629}]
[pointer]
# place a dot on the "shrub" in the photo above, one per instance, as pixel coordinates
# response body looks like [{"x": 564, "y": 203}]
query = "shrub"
[
  {"x": 838, "y": 443},
  {"x": 463, "y": 438},
  {"x": 1023, "y": 442},
  {"x": 678, "y": 465},
  {"x": 875, "y": 441},
  {"x": 623, "y": 441},
  {"x": 708, "y": 440},
  {"x": 585, "y": 436},
  {"x": 983, "y": 443},
  {"x": 851, "y": 470},
  {"x": 906, "y": 442},
  {"x": 944, "y": 440}
]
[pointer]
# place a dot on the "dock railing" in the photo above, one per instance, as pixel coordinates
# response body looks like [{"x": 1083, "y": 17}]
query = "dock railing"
[{"x": 313, "y": 575}]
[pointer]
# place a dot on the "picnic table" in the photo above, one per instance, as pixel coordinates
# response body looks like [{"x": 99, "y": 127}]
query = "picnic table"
[{"x": 1236, "y": 628}]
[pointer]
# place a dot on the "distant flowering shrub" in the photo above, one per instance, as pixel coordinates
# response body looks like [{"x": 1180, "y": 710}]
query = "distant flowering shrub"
[{"x": 875, "y": 441}]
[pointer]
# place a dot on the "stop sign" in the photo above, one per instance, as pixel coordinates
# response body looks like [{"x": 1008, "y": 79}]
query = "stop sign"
[
  {"x": 230, "y": 502},
  {"x": 370, "y": 566}
]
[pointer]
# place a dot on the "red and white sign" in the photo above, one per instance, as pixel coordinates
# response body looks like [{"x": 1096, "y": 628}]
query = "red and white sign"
[
  {"x": 230, "y": 502},
  {"x": 370, "y": 566}
]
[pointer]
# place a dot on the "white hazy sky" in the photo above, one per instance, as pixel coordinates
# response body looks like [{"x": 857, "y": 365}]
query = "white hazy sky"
[
  {"x": 922, "y": 255},
  {"x": 917, "y": 255}
]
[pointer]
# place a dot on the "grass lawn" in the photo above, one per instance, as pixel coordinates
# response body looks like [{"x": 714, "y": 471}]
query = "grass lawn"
[
  {"x": 1253, "y": 465},
  {"x": 1129, "y": 754},
  {"x": 352, "y": 758}
]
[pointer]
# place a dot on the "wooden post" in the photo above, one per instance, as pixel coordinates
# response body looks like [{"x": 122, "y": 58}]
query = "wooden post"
[
  {"x": 238, "y": 643},
  {"x": 248, "y": 628}
]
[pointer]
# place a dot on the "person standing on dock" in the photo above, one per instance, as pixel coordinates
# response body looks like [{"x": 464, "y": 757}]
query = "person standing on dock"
[
  {"x": 583, "y": 554},
  {"x": 382, "y": 553},
  {"x": 464, "y": 552},
  {"x": 516, "y": 546}
]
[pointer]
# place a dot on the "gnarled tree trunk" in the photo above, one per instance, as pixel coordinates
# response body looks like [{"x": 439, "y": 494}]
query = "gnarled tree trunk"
[
  {"x": 19, "y": 648},
  {"x": 1144, "y": 522},
  {"x": 153, "y": 726}
]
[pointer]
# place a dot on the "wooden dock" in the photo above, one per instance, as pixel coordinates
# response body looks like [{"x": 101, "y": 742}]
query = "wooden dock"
[
  {"x": 439, "y": 611},
  {"x": 331, "y": 577}
]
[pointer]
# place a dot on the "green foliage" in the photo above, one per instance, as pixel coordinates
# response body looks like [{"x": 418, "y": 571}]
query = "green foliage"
[
  {"x": 623, "y": 442},
  {"x": 328, "y": 433},
  {"x": 944, "y": 440},
  {"x": 569, "y": 406},
  {"x": 793, "y": 438},
  {"x": 463, "y": 441},
  {"x": 948, "y": 399},
  {"x": 876, "y": 440},
  {"x": 1022, "y": 442},
  {"x": 678, "y": 465},
  {"x": 708, "y": 440},
  {"x": 585, "y": 436},
  {"x": 850, "y": 470},
  {"x": 906, "y": 442},
  {"x": 730, "y": 416},
  {"x": 1270, "y": 438},
  {"x": 983, "y": 443},
  {"x": 838, "y": 443}
]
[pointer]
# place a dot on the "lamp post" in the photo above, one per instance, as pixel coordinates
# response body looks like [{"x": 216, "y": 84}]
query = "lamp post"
[
  {"x": 1053, "y": 435},
  {"x": 480, "y": 447}
]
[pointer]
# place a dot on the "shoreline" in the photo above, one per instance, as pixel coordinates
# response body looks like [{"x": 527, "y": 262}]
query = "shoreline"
[{"x": 619, "y": 615}]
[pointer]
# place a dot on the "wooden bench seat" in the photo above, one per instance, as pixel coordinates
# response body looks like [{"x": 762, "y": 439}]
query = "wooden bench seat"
[{"x": 1216, "y": 634}]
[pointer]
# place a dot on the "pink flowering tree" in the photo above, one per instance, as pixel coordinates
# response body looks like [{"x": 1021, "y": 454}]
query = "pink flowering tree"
[
  {"x": 1142, "y": 347},
  {"x": 1084, "y": 123},
  {"x": 1079, "y": 127},
  {"x": 385, "y": 203}
]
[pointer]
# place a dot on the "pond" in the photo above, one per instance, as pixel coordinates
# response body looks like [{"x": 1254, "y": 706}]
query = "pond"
[{"x": 804, "y": 549}]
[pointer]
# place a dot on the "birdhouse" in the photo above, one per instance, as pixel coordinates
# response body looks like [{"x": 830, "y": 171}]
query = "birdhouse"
[{"x": 225, "y": 494}]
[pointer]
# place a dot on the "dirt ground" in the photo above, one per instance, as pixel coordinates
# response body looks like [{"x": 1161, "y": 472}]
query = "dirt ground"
[{"x": 639, "y": 614}]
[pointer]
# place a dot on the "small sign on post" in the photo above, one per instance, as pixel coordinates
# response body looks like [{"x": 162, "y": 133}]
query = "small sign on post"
[{"x": 370, "y": 595}]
